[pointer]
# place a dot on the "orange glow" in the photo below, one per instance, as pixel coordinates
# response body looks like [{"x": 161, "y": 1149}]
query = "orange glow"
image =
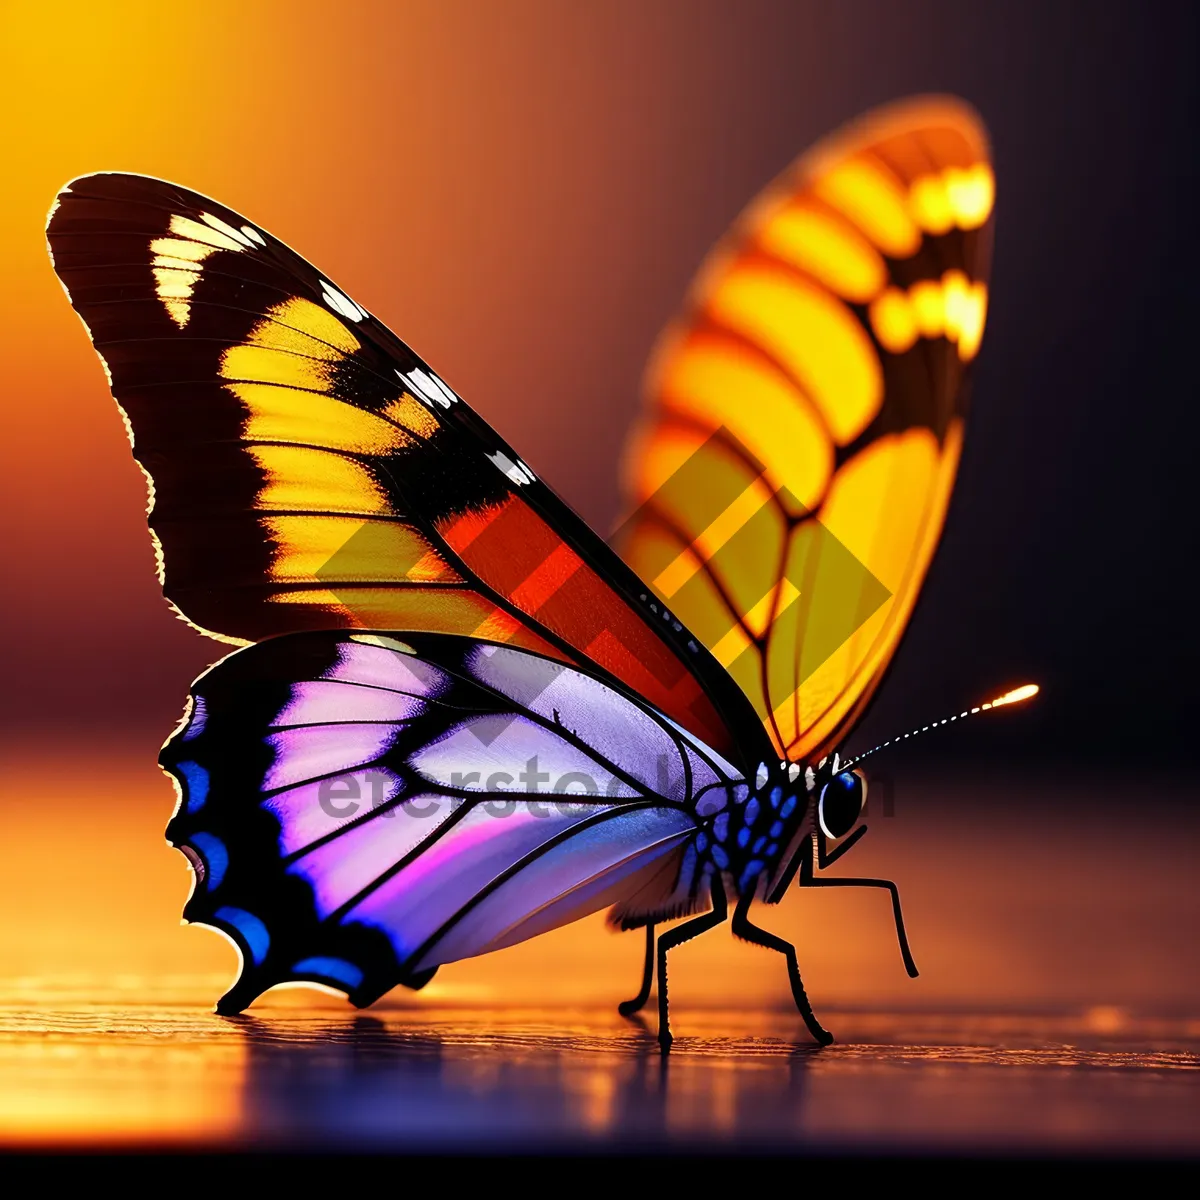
[
  {"x": 667, "y": 445},
  {"x": 971, "y": 193},
  {"x": 893, "y": 320},
  {"x": 930, "y": 204},
  {"x": 897, "y": 545},
  {"x": 874, "y": 201},
  {"x": 954, "y": 308},
  {"x": 813, "y": 335},
  {"x": 827, "y": 248},
  {"x": 889, "y": 478},
  {"x": 1025, "y": 692},
  {"x": 961, "y": 196},
  {"x": 873, "y": 191},
  {"x": 930, "y": 308},
  {"x": 956, "y": 288},
  {"x": 876, "y": 508},
  {"x": 703, "y": 376},
  {"x": 150, "y": 88},
  {"x": 971, "y": 319}
]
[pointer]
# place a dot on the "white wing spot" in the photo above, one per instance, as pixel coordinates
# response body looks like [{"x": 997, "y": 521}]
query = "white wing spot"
[
  {"x": 254, "y": 235},
  {"x": 341, "y": 303},
  {"x": 451, "y": 397},
  {"x": 428, "y": 390},
  {"x": 228, "y": 230},
  {"x": 510, "y": 468}
]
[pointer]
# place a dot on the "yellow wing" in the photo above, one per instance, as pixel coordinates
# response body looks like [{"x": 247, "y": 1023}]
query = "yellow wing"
[{"x": 787, "y": 485}]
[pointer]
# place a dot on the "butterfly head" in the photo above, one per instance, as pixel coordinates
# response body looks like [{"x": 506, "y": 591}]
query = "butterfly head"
[
  {"x": 833, "y": 797},
  {"x": 836, "y": 795}
]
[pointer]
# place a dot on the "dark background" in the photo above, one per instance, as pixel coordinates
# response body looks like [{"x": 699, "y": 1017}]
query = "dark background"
[{"x": 523, "y": 192}]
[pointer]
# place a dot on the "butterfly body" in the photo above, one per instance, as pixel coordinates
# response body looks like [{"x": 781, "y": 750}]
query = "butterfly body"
[
  {"x": 747, "y": 832},
  {"x": 459, "y": 717}
]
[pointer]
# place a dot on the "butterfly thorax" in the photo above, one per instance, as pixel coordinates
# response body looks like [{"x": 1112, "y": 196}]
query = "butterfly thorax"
[{"x": 750, "y": 830}]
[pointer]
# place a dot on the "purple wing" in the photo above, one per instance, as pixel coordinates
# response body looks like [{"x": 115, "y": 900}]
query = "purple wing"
[{"x": 363, "y": 807}]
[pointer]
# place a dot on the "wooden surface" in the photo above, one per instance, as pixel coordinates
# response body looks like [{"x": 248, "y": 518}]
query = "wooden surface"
[
  {"x": 1053, "y": 920},
  {"x": 436, "y": 1079}
]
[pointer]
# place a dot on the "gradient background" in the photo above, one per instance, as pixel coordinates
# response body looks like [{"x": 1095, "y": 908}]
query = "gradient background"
[{"x": 522, "y": 191}]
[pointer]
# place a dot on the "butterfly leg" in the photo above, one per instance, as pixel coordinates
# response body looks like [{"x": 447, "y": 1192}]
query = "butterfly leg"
[
  {"x": 742, "y": 928},
  {"x": 674, "y": 937},
  {"x": 628, "y": 1007},
  {"x": 808, "y": 880}
]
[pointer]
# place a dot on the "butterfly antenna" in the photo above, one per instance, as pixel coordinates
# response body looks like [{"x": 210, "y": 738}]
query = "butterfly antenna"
[{"x": 1026, "y": 691}]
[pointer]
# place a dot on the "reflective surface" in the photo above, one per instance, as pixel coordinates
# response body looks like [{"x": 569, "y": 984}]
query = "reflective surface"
[
  {"x": 1055, "y": 1009},
  {"x": 440, "y": 1079}
]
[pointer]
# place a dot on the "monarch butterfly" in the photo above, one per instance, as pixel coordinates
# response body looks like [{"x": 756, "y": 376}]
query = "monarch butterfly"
[{"x": 428, "y": 634}]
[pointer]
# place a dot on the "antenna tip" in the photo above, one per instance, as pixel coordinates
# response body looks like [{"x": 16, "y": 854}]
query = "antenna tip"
[{"x": 1026, "y": 691}]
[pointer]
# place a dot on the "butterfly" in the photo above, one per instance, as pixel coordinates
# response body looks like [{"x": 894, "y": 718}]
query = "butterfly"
[{"x": 457, "y": 717}]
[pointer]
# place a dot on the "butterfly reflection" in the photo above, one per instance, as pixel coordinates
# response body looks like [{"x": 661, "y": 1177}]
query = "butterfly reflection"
[{"x": 392, "y": 1083}]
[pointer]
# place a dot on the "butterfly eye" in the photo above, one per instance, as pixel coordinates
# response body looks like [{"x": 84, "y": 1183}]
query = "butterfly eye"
[{"x": 841, "y": 803}]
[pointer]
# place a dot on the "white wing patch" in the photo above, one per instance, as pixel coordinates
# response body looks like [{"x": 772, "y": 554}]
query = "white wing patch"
[
  {"x": 429, "y": 387},
  {"x": 518, "y": 472},
  {"x": 178, "y": 259},
  {"x": 341, "y": 303},
  {"x": 228, "y": 230}
]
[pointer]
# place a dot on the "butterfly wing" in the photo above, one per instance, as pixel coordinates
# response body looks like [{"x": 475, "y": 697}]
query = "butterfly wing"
[
  {"x": 361, "y": 809},
  {"x": 790, "y": 478},
  {"x": 309, "y": 471}
]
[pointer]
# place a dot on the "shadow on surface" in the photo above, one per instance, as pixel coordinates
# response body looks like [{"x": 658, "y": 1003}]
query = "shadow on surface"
[
  {"x": 563, "y": 1080},
  {"x": 502, "y": 1086}
]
